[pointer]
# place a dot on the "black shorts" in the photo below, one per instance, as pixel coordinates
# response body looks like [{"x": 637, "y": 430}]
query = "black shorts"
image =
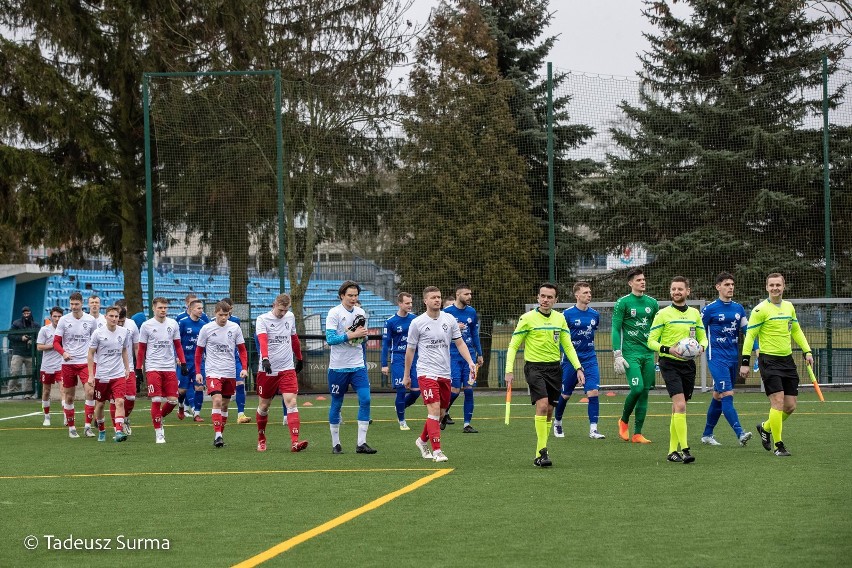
[
  {"x": 679, "y": 376},
  {"x": 545, "y": 381},
  {"x": 779, "y": 374}
]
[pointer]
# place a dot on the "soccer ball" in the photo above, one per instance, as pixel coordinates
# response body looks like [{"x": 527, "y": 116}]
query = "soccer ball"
[{"x": 689, "y": 348}]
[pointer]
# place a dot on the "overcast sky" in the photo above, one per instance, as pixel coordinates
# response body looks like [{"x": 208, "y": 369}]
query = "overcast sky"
[{"x": 595, "y": 36}]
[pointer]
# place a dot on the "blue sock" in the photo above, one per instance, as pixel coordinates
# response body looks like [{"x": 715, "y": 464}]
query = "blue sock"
[
  {"x": 713, "y": 414},
  {"x": 198, "y": 401},
  {"x": 363, "y": 403},
  {"x": 731, "y": 415},
  {"x": 334, "y": 409},
  {"x": 411, "y": 398},
  {"x": 468, "y": 405},
  {"x": 399, "y": 403},
  {"x": 284, "y": 406},
  {"x": 241, "y": 398},
  {"x": 453, "y": 397},
  {"x": 594, "y": 409},
  {"x": 560, "y": 408}
]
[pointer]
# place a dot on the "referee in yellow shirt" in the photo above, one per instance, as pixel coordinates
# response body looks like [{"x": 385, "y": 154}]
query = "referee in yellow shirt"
[
  {"x": 773, "y": 321},
  {"x": 543, "y": 331}
]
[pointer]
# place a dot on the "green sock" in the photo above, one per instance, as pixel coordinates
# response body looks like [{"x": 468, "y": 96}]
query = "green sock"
[
  {"x": 540, "y": 433},
  {"x": 549, "y": 430},
  {"x": 629, "y": 405},
  {"x": 680, "y": 427},
  {"x": 776, "y": 419},
  {"x": 641, "y": 412},
  {"x": 672, "y": 435},
  {"x": 784, "y": 416}
]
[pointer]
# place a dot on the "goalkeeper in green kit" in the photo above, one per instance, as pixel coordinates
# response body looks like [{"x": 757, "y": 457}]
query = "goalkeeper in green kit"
[{"x": 631, "y": 323}]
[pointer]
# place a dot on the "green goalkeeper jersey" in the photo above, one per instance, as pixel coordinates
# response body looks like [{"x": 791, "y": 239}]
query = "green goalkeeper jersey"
[
  {"x": 774, "y": 325},
  {"x": 670, "y": 325},
  {"x": 631, "y": 324}
]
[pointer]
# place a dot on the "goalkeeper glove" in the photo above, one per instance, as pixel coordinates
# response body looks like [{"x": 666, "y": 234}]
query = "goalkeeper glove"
[
  {"x": 184, "y": 370},
  {"x": 360, "y": 321},
  {"x": 140, "y": 377},
  {"x": 619, "y": 363},
  {"x": 299, "y": 365},
  {"x": 267, "y": 366}
]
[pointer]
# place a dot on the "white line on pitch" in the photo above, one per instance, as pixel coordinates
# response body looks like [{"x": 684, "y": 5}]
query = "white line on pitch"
[{"x": 22, "y": 416}]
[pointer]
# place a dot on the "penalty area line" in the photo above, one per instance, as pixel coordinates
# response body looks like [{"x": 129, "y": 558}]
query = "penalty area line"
[{"x": 346, "y": 517}]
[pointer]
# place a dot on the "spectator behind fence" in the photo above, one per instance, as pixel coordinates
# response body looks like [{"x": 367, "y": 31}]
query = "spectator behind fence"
[{"x": 21, "y": 344}]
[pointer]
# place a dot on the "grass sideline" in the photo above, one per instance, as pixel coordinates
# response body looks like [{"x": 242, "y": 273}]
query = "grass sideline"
[{"x": 604, "y": 503}]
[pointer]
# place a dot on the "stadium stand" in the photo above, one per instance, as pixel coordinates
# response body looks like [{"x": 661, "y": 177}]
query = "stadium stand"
[{"x": 319, "y": 298}]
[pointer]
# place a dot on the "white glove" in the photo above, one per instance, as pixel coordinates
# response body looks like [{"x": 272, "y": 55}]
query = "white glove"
[{"x": 619, "y": 363}]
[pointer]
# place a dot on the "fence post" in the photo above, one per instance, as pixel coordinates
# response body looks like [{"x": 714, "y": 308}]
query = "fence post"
[
  {"x": 551, "y": 232},
  {"x": 826, "y": 187}
]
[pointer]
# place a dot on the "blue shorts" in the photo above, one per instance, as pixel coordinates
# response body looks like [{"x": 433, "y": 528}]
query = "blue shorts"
[
  {"x": 339, "y": 381},
  {"x": 187, "y": 382},
  {"x": 724, "y": 374},
  {"x": 459, "y": 373},
  {"x": 569, "y": 376},
  {"x": 398, "y": 371}
]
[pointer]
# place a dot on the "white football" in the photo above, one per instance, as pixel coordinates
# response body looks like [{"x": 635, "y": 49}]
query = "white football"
[{"x": 689, "y": 348}]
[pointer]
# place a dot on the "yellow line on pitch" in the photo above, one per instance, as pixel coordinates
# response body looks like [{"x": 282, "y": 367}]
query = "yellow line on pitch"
[
  {"x": 346, "y": 517},
  {"x": 258, "y": 472}
]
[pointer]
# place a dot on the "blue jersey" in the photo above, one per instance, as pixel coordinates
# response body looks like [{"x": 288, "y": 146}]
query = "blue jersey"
[
  {"x": 139, "y": 318},
  {"x": 189, "y": 331},
  {"x": 723, "y": 322},
  {"x": 395, "y": 339},
  {"x": 583, "y": 324},
  {"x": 470, "y": 332}
]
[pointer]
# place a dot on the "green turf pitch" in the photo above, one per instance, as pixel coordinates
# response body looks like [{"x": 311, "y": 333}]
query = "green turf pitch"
[{"x": 604, "y": 503}]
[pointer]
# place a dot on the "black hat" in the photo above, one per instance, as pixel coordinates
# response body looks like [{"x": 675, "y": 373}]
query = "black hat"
[{"x": 26, "y": 309}]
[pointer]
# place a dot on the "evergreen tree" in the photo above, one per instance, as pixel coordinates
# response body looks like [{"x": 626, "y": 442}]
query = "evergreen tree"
[
  {"x": 518, "y": 27},
  {"x": 720, "y": 172},
  {"x": 71, "y": 124},
  {"x": 464, "y": 204}
]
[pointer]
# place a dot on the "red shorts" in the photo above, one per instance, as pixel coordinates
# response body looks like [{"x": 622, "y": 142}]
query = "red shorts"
[
  {"x": 435, "y": 390},
  {"x": 130, "y": 385},
  {"x": 225, "y": 386},
  {"x": 51, "y": 378},
  {"x": 162, "y": 384},
  {"x": 111, "y": 390},
  {"x": 270, "y": 385},
  {"x": 70, "y": 374}
]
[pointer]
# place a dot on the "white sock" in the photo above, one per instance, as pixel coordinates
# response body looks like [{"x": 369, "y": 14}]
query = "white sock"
[
  {"x": 362, "y": 431},
  {"x": 335, "y": 433},
  {"x": 593, "y": 427},
  {"x": 557, "y": 423}
]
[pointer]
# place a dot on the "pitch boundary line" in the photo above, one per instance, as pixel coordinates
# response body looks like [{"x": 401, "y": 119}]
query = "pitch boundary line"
[
  {"x": 336, "y": 522},
  {"x": 415, "y": 420},
  {"x": 184, "y": 473}
]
